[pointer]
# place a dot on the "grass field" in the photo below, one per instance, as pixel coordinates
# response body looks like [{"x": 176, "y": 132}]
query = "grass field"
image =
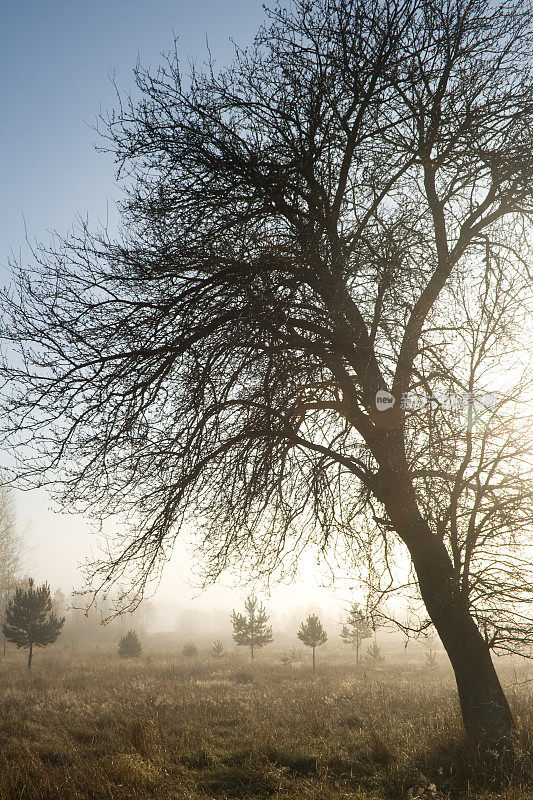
[{"x": 92, "y": 726}]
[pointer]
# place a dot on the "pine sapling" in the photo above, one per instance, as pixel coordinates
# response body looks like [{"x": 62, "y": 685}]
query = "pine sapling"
[
  {"x": 129, "y": 646},
  {"x": 312, "y": 634},
  {"x": 250, "y": 629},
  {"x": 358, "y": 627},
  {"x": 217, "y": 650},
  {"x": 29, "y": 619}
]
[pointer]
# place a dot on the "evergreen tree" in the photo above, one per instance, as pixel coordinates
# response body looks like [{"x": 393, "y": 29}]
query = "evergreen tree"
[
  {"x": 29, "y": 619},
  {"x": 250, "y": 629},
  {"x": 373, "y": 655},
  {"x": 218, "y": 649},
  {"x": 129, "y": 646},
  {"x": 190, "y": 650},
  {"x": 357, "y": 628},
  {"x": 293, "y": 656},
  {"x": 59, "y": 603},
  {"x": 312, "y": 634},
  {"x": 431, "y": 658}
]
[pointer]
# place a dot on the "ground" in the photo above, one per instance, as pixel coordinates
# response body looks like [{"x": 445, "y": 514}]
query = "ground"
[{"x": 87, "y": 725}]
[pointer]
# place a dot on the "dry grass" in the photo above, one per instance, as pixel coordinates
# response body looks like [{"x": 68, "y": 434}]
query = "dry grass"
[{"x": 102, "y": 728}]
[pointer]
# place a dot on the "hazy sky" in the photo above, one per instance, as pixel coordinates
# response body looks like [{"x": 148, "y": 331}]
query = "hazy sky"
[{"x": 56, "y": 61}]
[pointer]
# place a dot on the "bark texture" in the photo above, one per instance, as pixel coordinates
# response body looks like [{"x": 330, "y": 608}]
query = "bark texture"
[{"x": 486, "y": 713}]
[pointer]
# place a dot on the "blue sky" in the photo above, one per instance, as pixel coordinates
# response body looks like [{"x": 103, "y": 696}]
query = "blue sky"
[{"x": 56, "y": 60}]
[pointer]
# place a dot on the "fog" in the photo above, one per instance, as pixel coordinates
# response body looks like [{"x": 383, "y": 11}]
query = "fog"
[{"x": 58, "y": 545}]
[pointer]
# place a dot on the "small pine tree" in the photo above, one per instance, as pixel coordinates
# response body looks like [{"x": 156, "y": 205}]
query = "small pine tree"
[
  {"x": 358, "y": 627},
  {"x": 312, "y": 634},
  {"x": 190, "y": 650},
  {"x": 286, "y": 659},
  {"x": 373, "y": 655},
  {"x": 250, "y": 629},
  {"x": 217, "y": 649},
  {"x": 431, "y": 642},
  {"x": 129, "y": 646},
  {"x": 29, "y": 619},
  {"x": 293, "y": 656}
]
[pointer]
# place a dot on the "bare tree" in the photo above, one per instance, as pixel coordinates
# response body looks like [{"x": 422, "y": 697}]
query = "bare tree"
[
  {"x": 11, "y": 553},
  {"x": 338, "y": 220}
]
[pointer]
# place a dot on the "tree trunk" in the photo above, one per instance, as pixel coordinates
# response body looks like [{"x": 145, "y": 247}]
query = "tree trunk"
[
  {"x": 252, "y": 649},
  {"x": 357, "y": 652},
  {"x": 314, "y": 665},
  {"x": 30, "y": 656},
  {"x": 486, "y": 714},
  {"x": 485, "y": 710},
  {"x": 5, "y": 643}
]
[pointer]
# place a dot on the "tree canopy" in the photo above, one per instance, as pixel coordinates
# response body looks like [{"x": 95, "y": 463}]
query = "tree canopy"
[{"x": 299, "y": 334}]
